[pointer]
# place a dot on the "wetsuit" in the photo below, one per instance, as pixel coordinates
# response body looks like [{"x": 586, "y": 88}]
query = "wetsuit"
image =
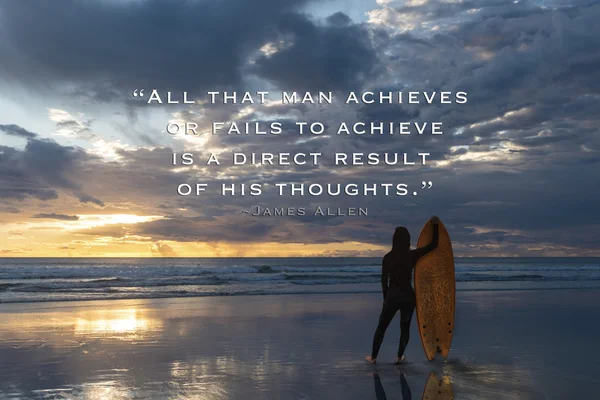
[{"x": 398, "y": 293}]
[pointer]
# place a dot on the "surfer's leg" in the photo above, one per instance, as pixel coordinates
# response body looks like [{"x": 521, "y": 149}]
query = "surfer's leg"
[
  {"x": 406, "y": 313},
  {"x": 387, "y": 314}
]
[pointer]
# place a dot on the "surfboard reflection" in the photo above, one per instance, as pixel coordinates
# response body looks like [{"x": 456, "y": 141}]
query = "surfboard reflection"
[
  {"x": 435, "y": 389},
  {"x": 438, "y": 389}
]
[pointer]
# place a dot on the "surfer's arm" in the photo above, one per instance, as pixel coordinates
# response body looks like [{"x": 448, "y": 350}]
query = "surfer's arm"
[
  {"x": 421, "y": 251},
  {"x": 384, "y": 277}
]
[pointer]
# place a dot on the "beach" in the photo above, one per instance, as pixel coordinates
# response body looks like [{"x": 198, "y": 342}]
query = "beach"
[{"x": 508, "y": 344}]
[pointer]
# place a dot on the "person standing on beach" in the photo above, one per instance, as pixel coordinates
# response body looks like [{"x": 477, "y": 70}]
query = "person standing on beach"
[{"x": 398, "y": 293}]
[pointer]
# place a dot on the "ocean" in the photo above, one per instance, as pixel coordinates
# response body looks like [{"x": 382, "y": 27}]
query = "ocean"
[{"x": 62, "y": 279}]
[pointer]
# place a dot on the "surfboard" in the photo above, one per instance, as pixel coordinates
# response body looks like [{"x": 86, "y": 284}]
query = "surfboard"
[
  {"x": 438, "y": 389},
  {"x": 435, "y": 290}
]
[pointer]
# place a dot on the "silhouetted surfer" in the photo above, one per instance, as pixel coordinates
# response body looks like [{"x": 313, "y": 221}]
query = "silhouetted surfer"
[{"x": 398, "y": 293}]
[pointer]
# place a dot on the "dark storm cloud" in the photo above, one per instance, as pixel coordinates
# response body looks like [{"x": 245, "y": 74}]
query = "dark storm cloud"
[
  {"x": 339, "y": 19},
  {"x": 313, "y": 57},
  {"x": 507, "y": 56},
  {"x": 177, "y": 45},
  {"x": 16, "y": 182},
  {"x": 61, "y": 217},
  {"x": 15, "y": 130},
  {"x": 41, "y": 169}
]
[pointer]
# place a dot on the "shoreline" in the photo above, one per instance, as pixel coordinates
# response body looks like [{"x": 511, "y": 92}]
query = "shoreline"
[{"x": 314, "y": 293}]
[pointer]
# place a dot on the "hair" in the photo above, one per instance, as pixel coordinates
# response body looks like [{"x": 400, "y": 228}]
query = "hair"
[{"x": 401, "y": 240}]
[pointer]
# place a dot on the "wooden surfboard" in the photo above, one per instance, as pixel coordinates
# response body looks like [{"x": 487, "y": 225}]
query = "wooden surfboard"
[
  {"x": 438, "y": 389},
  {"x": 435, "y": 290}
]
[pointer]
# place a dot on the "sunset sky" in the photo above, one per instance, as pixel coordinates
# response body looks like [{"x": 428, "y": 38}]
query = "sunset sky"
[{"x": 85, "y": 166}]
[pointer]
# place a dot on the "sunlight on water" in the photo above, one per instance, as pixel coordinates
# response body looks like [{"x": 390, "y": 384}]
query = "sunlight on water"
[
  {"x": 113, "y": 320},
  {"x": 117, "y": 321}
]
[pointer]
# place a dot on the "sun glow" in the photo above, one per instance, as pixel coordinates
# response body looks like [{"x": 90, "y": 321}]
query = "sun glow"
[
  {"x": 124, "y": 321},
  {"x": 95, "y": 220}
]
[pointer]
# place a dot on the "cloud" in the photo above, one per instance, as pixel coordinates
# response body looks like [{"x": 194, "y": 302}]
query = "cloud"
[
  {"x": 207, "y": 45},
  {"x": 10, "y": 210},
  {"x": 15, "y": 182},
  {"x": 336, "y": 57},
  {"x": 162, "y": 249},
  {"x": 487, "y": 204},
  {"x": 11, "y": 251},
  {"x": 194, "y": 230},
  {"x": 86, "y": 198},
  {"x": 62, "y": 217},
  {"x": 41, "y": 169},
  {"x": 15, "y": 130}
]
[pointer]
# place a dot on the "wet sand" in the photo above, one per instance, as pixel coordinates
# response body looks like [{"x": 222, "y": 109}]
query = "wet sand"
[{"x": 508, "y": 345}]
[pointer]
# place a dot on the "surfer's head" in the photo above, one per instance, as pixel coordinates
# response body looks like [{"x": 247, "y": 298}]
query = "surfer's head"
[{"x": 401, "y": 240}]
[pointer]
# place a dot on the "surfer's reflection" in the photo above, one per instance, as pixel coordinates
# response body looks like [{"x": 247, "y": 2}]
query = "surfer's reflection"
[
  {"x": 380, "y": 393},
  {"x": 435, "y": 389}
]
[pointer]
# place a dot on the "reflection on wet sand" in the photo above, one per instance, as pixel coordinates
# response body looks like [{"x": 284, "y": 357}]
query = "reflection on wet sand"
[
  {"x": 435, "y": 389},
  {"x": 284, "y": 347},
  {"x": 129, "y": 322},
  {"x": 380, "y": 392},
  {"x": 173, "y": 349},
  {"x": 495, "y": 380},
  {"x": 438, "y": 389},
  {"x": 119, "y": 322}
]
